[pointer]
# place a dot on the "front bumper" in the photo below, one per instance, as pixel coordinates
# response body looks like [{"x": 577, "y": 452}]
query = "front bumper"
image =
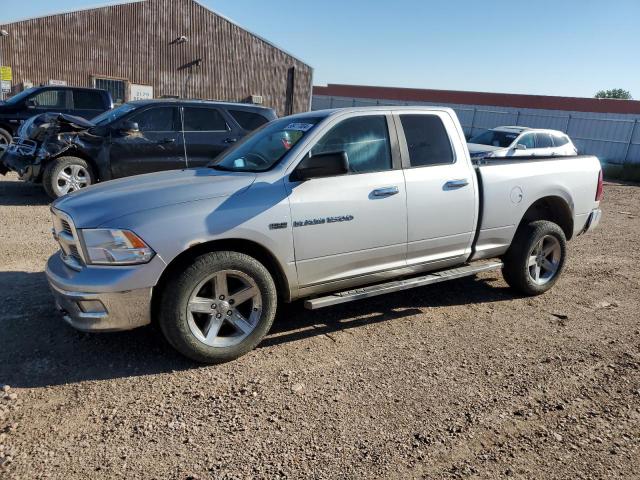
[
  {"x": 23, "y": 165},
  {"x": 100, "y": 299}
]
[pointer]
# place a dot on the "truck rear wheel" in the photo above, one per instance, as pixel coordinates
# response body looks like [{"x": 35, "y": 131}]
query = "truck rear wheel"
[
  {"x": 65, "y": 175},
  {"x": 536, "y": 258},
  {"x": 218, "y": 308}
]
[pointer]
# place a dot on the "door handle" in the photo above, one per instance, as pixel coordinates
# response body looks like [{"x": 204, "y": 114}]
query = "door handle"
[
  {"x": 230, "y": 140},
  {"x": 167, "y": 140},
  {"x": 453, "y": 184},
  {"x": 385, "y": 191}
]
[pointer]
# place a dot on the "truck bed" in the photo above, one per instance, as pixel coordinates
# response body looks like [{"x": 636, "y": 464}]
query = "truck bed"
[{"x": 509, "y": 187}]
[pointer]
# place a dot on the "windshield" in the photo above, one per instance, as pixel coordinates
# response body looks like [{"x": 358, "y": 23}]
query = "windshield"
[
  {"x": 494, "y": 138},
  {"x": 110, "y": 116},
  {"x": 21, "y": 96},
  {"x": 268, "y": 145}
]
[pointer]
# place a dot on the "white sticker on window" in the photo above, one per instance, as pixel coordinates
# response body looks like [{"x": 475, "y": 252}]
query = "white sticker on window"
[{"x": 302, "y": 127}]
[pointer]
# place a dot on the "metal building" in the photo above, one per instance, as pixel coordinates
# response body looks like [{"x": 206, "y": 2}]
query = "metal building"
[
  {"x": 608, "y": 129},
  {"x": 158, "y": 48}
]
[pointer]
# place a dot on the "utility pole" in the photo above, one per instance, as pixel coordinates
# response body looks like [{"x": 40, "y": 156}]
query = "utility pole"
[{"x": 3, "y": 33}]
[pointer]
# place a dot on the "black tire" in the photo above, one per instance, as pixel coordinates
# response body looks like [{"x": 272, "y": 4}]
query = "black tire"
[
  {"x": 53, "y": 169},
  {"x": 177, "y": 323},
  {"x": 5, "y": 136},
  {"x": 517, "y": 270}
]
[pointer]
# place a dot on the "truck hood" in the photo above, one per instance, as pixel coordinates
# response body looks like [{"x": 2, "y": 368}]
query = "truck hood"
[{"x": 93, "y": 206}]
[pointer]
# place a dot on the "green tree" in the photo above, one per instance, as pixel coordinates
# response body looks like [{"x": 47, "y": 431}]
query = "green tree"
[{"x": 618, "y": 93}]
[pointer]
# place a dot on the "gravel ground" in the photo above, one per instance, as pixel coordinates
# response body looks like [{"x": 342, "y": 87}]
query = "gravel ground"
[{"x": 463, "y": 379}]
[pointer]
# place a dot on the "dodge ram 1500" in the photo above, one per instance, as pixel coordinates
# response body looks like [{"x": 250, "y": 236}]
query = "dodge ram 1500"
[{"x": 327, "y": 206}]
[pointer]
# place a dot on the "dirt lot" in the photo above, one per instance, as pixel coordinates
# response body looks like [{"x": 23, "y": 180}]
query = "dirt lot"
[{"x": 459, "y": 380}]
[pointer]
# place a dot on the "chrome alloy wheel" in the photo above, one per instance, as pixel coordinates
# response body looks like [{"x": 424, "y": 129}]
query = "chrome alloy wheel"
[
  {"x": 71, "y": 178},
  {"x": 544, "y": 259},
  {"x": 224, "y": 308}
]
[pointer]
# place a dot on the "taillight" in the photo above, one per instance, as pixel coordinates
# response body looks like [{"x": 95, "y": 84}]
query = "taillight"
[{"x": 599, "y": 190}]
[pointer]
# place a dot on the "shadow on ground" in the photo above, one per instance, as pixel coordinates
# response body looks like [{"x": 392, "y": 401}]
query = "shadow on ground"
[
  {"x": 38, "y": 349},
  {"x": 14, "y": 193}
]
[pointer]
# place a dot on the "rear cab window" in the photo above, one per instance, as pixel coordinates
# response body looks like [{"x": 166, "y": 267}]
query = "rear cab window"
[
  {"x": 88, "y": 100},
  {"x": 248, "y": 120},
  {"x": 427, "y": 140}
]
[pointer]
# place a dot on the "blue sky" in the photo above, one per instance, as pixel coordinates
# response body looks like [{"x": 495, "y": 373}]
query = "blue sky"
[{"x": 548, "y": 47}]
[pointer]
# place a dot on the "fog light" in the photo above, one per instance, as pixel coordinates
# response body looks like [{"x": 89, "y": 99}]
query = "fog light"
[{"x": 91, "y": 306}]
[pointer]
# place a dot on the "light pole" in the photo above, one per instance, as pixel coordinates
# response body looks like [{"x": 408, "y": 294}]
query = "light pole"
[{"x": 3, "y": 33}]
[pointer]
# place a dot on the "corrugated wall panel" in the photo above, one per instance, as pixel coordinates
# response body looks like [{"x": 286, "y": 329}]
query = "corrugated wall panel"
[
  {"x": 136, "y": 42},
  {"x": 608, "y": 136}
]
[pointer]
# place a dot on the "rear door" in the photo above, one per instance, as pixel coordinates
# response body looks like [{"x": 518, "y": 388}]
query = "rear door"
[
  {"x": 206, "y": 134},
  {"x": 353, "y": 224},
  {"x": 442, "y": 200},
  {"x": 544, "y": 144},
  {"x": 87, "y": 103},
  {"x": 157, "y": 146}
]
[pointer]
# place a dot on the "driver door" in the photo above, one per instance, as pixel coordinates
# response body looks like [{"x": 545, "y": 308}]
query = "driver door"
[
  {"x": 354, "y": 224},
  {"x": 156, "y": 146}
]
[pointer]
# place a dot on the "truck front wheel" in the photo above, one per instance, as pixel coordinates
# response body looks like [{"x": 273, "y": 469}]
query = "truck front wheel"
[
  {"x": 218, "y": 308},
  {"x": 5, "y": 137},
  {"x": 65, "y": 175},
  {"x": 536, "y": 257}
]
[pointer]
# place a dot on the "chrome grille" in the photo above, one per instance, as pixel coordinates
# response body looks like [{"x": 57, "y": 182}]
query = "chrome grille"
[{"x": 65, "y": 233}]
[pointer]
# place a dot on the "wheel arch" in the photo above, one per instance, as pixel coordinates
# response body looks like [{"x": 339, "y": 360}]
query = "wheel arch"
[
  {"x": 552, "y": 208},
  {"x": 248, "y": 247}
]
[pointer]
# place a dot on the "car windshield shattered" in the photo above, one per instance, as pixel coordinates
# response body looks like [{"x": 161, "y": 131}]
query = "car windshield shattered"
[
  {"x": 266, "y": 146},
  {"x": 112, "y": 115},
  {"x": 494, "y": 138}
]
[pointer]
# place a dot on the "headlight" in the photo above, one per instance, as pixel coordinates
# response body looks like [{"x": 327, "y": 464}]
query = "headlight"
[{"x": 115, "y": 247}]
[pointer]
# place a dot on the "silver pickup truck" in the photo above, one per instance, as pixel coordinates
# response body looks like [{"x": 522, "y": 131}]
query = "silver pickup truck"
[{"x": 328, "y": 206}]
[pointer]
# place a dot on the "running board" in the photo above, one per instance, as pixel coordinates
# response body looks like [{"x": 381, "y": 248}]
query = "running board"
[{"x": 399, "y": 285}]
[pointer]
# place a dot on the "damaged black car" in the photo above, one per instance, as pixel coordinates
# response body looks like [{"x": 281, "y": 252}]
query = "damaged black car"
[{"x": 67, "y": 153}]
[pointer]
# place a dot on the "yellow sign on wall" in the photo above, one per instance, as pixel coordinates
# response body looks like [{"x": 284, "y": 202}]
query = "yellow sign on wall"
[{"x": 6, "y": 74}]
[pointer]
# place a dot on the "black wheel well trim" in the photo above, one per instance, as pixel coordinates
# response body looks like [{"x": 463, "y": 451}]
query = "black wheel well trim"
[
  {"x": 552, "y": 208},
  {"x": 248, "y": 247}
]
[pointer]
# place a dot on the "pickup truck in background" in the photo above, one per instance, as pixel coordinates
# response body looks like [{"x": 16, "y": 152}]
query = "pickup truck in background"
[
  {"x": 503, "y": 142},
  {"x": 328, "y": 206},
  {"x": 68, "y": 153},
  {"x": 76, "y": 101}
]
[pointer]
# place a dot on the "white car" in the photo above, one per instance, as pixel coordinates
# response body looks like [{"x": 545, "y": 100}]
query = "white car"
[{"x": 520, "y": 142}]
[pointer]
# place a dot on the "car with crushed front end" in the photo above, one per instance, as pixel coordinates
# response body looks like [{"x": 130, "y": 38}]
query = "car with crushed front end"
[
  {"x": 67, "y": 153},
  {"x": 327, "y": 206}
]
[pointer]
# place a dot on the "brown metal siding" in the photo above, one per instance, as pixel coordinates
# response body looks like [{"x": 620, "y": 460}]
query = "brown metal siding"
[
  {"x": 572, "y": 104},
  {"x": 134, "y": 42}
]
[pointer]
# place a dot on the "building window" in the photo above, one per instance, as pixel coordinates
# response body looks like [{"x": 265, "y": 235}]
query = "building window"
[{"x": 116, "y": 88}]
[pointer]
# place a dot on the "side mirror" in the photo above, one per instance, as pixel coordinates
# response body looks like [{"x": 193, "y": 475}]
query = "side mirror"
[
  {"x": 129, "y": 127},
  {"x": 520, "y": 146},
  {"x": 322, "y": 165},
  {"x": 30, "y": 103}
]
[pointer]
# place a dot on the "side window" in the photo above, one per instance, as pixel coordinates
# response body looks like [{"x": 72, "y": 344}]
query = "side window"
[
  {"x": 50, "y": 99},
  {"x": 158, "y": 119},
  {"x": 427, "y": 140},
  {"x": 543, "y": 140},
  {"x": 87, "y": 100},
  {"x": 248, "y": 120},
  {"x": 366, "y": 141},
  {"x": 528, "y": 140},
  {"x": 560, "y": 140},
  {"x": 201, "y": 119}
]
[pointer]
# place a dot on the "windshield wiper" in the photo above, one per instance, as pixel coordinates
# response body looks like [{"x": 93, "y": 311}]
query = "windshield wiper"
[{"x": 217, "y": 166}]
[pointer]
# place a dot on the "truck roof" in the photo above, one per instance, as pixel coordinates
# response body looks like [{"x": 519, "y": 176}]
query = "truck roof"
[{"x": 374, "y": 108}]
